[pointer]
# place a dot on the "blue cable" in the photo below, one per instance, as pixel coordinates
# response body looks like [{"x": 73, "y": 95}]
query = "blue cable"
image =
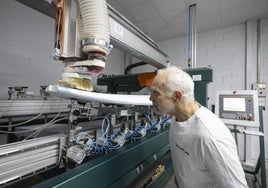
[
  {"x": 102, "y": 126},
  {"x": 108, "y": 146},
  {"x": 81, "y": 133},
  {"x": 165, "y": 119}
]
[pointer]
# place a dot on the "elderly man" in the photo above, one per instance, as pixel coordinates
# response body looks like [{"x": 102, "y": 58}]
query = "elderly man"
[{"x": 203, "y": 150}]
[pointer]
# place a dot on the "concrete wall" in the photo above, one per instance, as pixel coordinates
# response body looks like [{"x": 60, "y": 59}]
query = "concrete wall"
[
  {"x": 222, "y": 50},
  {"x": 26, "y": 44},
  {"x": 232, "y": 54},
  {"x": 25, "y": 48}
]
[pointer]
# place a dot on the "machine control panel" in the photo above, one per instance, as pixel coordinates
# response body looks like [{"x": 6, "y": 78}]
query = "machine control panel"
[
  {"x": 238, "y": 107},
  {"x": 261, "y": 89}
]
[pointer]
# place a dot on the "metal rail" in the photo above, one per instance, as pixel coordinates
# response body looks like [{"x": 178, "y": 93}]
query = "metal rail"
[
  {"x": 124, "y": 35},
  {"x": 20, "y": 159},
  {"x": 16, "y": 108}
]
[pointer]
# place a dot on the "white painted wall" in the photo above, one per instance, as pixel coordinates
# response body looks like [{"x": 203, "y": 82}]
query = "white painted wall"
[
  {"x": 26, "y": 44},
  {"x": 264, "y": 73},
  {"x": 224, "y": 50},
  {"x": 232, "y": 54},
  {"x": 264, "y": 51}
]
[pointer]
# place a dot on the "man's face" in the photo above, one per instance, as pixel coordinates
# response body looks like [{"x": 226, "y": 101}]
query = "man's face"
[{"x": 162, "y": 103}]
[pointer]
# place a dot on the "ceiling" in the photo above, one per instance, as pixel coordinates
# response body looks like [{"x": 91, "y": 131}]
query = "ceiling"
[{"x": 167, "y": 19}]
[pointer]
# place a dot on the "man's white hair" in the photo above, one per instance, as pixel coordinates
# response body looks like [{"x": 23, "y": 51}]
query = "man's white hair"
[{"x": 177, "y": 79}]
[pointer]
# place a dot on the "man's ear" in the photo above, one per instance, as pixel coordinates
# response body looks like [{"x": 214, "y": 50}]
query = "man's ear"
[{"x": 177, "y": 96}]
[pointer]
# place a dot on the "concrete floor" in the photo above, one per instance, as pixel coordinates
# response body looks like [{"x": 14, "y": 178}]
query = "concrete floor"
[
  {"x": 171, "y": 183},
  {"x": 249, "y": 178}
]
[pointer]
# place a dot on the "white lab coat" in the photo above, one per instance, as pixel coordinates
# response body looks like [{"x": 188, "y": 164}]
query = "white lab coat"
[{"x": 204, "y": 153}]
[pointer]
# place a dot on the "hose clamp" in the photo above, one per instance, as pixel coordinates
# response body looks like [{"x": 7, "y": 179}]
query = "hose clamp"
[{"x": 89, "y": 41}]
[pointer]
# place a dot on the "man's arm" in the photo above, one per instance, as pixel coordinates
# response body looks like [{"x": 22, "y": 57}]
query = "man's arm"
[{"x": 223, "y": 163}]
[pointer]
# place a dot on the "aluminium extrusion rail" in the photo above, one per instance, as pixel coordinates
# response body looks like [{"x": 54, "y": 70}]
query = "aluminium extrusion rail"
[
  {"x": 21, "y": 108},
  {"x": 128, "y": 37},
  {"x": 25, "y": 158}
]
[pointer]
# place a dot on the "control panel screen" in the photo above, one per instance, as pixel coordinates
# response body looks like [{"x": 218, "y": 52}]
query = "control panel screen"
[
  {"x": 239, "y": 107},
  {"x": 234, "y": 104}
]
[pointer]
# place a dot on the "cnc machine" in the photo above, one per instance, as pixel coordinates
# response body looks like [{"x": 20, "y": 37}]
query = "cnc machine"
[{"x": 88, "y": 138}]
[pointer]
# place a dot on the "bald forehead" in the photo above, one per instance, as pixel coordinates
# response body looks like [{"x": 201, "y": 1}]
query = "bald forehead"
[
  {"x": 159, "y": 81},
  {"x": 160, "y": 78}
]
